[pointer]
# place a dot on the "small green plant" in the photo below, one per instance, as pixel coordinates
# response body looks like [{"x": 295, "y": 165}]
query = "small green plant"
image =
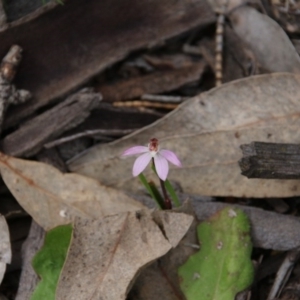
[
  {"x": 223, "y": 266},
  {"x": 48, "y": 262}
]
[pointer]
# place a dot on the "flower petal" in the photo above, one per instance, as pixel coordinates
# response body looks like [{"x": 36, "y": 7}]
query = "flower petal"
[
  {"x": 171, "y": 157},
  {"x": 135, "y": 150},
  {"x": 161, "y": 166},
  {"x": 141, "y": 163}
]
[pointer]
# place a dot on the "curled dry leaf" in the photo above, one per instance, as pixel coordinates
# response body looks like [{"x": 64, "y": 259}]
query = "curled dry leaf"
[
  {"x": 267, "y": 40},
  {"x": 106, "y": 254},
  {"x": 5, "y": 249},
  {"x": 206, "y": 133},
  {"x": 53, "y": 198}
]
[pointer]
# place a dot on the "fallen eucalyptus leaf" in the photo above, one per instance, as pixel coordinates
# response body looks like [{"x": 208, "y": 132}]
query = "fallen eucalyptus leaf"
[
  {"x": 48, "y": 262},
  {"x": 223, "y": 266},
  {"x": 53, "y": 198},
  {"x": 272, "y": 47},
  {"x": 5, "y": 249},
  {"x": 174, "y": 224},
  {"x": 106, "y": 255},
  {"x": 206, "y": 133}
]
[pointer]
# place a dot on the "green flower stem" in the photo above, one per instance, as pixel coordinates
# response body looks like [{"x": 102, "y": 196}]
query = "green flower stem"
[
  {"x": 167, "y": 185},
  {"x": 152, "y": 190}
]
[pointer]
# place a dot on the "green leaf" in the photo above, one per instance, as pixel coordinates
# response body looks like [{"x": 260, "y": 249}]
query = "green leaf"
[
  {"x": 172, "y": 193},
  {"x": 48, "y": 262},
  {"x": 222, "y": 267}
]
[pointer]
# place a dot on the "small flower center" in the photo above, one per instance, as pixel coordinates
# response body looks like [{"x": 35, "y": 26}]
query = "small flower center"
[{"x": 153, "y": 146}]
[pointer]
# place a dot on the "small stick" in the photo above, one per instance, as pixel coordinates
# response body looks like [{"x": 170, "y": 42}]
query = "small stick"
[
  {"x": 189, "y": 49},
  {"x": 106, "y": 132},
  {"x": 219, "y": 43},
  {"x": 144, "y": 104},
  {"x": 163, "y": 98}
]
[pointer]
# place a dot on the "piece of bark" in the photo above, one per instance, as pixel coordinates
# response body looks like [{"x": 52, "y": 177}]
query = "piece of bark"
[
  {"x": 31, "y": 137},
  {"x": 270, "y": 160},
  {"x": 8, "y": 92},
  {"x": 60, "y": 61},
  {"x": 157, "y": 82},
  {"x": 29, "y": 278}
]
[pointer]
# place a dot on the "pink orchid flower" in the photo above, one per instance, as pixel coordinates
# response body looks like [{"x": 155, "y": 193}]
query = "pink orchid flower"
[{"x": 160, "y": 156}]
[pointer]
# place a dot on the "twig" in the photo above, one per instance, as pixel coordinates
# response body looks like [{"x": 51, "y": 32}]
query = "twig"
[
  {"x": 144, "y": 104},
  {"x": 284, "y": 272},
  {"x": 189, "y": 49},
  {"x": 219, "y": 43},
  {"x": 105, "y": 132},
  {"x": 163, "y": 98}
]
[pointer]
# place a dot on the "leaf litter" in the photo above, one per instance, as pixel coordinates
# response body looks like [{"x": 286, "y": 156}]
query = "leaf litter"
[{"x": 261, "y": 108}]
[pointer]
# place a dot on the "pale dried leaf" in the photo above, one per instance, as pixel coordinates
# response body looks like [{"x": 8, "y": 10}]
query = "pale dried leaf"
[
  {"x": 106, "y": 255},
  {"x": 160, "y": 279},
  {"x": 53, "y": 198},
  {"x": 206, "y": 133},
  {"x": 5, "y": 249},
  {"x": 174, "y": 224},
  {"x": 270, "y": 44}
]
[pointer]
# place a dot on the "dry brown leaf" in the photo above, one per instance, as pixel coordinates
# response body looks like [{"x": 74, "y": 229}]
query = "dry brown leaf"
[
  {"x": 106, "y": 254},
  {"x": 174, "y": 225},
  {"x": 53, "y": 198},
  {"x": 206, "y": 132},
  {"x": 160, "y": 279},
  {"x": 5, "y": 249},
  {"x": 270, "y": 44}
]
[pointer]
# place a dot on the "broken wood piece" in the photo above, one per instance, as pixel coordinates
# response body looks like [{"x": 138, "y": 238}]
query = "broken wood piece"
[
  {"x": 270, "y": 160},
  {"x": 31, "y": 137},
  {"x": 8, "y": 92},
  {"x": 107, "y": 28},
  {"x": 154, "y": 83}
]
